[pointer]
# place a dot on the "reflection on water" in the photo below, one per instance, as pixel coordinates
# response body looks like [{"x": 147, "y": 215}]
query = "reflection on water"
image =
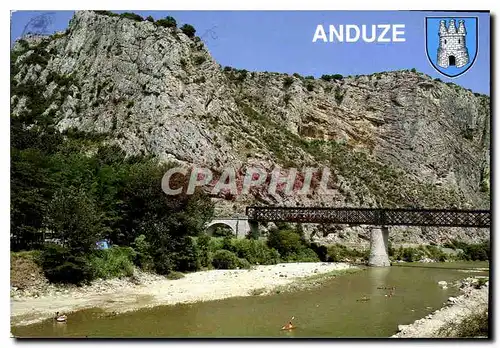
[{"x": 332, "y": 310}]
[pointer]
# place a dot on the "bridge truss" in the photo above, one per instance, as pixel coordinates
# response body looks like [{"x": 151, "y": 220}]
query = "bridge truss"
[{"x": 372, "y": 216}]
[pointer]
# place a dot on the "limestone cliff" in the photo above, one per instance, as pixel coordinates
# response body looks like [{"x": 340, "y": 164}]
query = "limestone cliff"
[{"x": 391, "y": 139}]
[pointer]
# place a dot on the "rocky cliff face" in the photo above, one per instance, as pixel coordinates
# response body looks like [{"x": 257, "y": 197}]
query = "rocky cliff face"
[{"x": 390, "y": 139}]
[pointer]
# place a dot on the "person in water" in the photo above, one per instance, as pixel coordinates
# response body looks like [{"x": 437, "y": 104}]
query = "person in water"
[{"x": 288, "y": 326}]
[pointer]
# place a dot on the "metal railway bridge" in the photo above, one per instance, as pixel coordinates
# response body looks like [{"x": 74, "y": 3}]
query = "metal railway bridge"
[
  {"x": 379, "y": 218},
  {"x": 373, "y": 216}
]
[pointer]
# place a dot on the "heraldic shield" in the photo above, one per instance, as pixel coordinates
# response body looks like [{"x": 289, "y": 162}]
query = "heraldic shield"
[{"x": 451, "y": 43}]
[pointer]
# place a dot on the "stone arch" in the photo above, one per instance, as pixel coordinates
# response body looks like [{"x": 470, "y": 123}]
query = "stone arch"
[{"x": 214, "y": 224}]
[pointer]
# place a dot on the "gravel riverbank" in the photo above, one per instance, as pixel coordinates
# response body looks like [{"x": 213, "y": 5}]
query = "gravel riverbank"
[
  {"x": 444, "y": 321},
  {"x": 148, "y": 290}
]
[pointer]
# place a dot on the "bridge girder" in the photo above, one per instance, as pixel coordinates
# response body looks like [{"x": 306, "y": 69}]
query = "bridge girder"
[{"x": 373, "y": 216}]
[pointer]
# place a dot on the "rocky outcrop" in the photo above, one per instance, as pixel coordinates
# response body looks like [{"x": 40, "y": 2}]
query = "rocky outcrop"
[{"x": 391, "y": 139}]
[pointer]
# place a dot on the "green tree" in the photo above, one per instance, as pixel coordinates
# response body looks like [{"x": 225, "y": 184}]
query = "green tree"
[
  {"x": 62, "y": 265},
  {"x": 189, "y": 30},
  {"x": 167, "y": 22},
  {"x": 75, "y": 220},
  {"x": 204, "y": 250},
  {"x": 286, "y": 242},
  {"x": 31, "y": 189}
]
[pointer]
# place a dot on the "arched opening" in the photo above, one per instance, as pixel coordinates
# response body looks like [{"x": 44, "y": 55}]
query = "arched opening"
[
  {"x": 445, "y": 41},
  {"x": 451, "y": 60},
  {"x": 458, "y": 40},
  {"x": 220, "y": 229}
]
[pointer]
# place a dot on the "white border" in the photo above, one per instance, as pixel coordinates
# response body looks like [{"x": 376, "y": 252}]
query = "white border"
[{"x": 195, "y": 5}]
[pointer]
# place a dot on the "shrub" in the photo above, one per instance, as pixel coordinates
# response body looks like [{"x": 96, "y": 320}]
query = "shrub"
[
  {"x": 243, "y": 263},
  {"x": 167, "y": 22},
  {"x": 303, "y": 255},
  {"x": 481, "y": 282},
  {"x": 113, "y": 262},
  {"x": 143, "y": 258},
  {"x": 227, "y": 243},
  {"x": 471, "y": 252},
  {"x": 287, "y": 82},
  {"x": 199, "y": 59},
  {"x": 61, "y": 265},
  {"x": 321, "y": 251},
  {"x": 150, "y": 19},
  {"x": 175, "y": 275},
  {"x": 309, "y": 77},
  {"x": 255, "y": 251},
  {"x": 326, "y": 77},
  {"x": 188, "y": 29},
  {"x": 472, "y": 325},
  {"x": 185, "y": 258},
  {"x": 332, "y": 77},
  {"x": 162, "y": 262},
  {"x": 409, "y": 254},
  {"x": 224, "y": 259},
  {"x": 413, "y": 70},
  {"x": 107, "y": 13},
  {"x": 204, "y": 253},
  {"x": 215, "y": 244},
  {"x": 310, "y": 87},
  {"x": 435, "y": 253},
  {"x": 477, "y": 252},
  {"x": 340, "y": 253},
  {"x": 297, "y": 75},
  {"x": 286, "y": 242},
  {"x": 132, "y": 16},
  {"x": 75, "y": 219},
  {"x": 339, "y": 96}
]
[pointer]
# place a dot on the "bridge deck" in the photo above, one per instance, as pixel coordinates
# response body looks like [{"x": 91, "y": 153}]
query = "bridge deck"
[{"x": 371, "y": 216}]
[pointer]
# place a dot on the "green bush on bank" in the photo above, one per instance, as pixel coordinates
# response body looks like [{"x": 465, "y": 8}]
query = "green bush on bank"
[
  {"x": 341, "y": 253},
  {"x": 142, "y": 257},
  {"x": 113, "y": 262},
  {"x": 465, "y": 252},
  {"x": 255, "y": 251},
  {"x": 287, "y": 242},
  {"x": 63, "y": 265},
  {"x": 225, "y": 259},
  {"x": 471, "y": 252},
  {"x": 407, "y": 254}
]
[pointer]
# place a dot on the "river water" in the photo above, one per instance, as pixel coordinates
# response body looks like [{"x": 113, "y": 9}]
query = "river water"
[{"x": 332, "y": 310}]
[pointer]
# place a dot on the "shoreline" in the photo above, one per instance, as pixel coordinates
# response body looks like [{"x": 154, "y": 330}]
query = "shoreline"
[
  {"x": 453, "y": 312},
  {"x": 145, "y": 290}
]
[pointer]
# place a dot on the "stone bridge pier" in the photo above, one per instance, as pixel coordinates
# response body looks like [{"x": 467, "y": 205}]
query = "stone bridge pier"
[{"x": 379, "y": 242}]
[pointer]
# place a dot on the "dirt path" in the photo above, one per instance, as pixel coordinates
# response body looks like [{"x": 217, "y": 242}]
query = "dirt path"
[{"x": 151, "y": 290}]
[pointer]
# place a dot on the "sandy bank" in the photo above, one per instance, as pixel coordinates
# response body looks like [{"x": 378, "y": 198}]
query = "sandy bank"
[
  {"x": 148, "y": 290},
  {"x": 473, "y": 301}
]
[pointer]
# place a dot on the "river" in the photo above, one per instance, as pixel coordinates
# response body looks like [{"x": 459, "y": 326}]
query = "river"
[{"x": 332, "y": 310}]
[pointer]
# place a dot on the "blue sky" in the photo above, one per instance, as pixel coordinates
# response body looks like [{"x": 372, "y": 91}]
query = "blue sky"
[{"x": 281, "y": 41}]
